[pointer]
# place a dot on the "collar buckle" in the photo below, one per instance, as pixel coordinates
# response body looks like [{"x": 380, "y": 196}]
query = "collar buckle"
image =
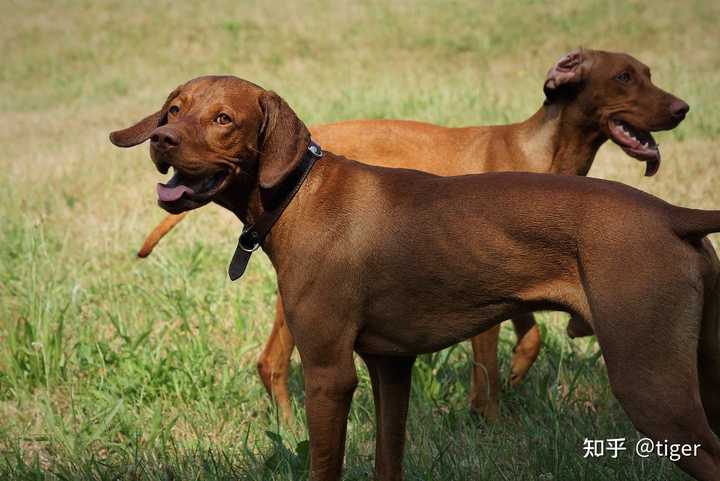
[
  {"x": 315, "y": 149},
  {"x": 249, "y": 240}
]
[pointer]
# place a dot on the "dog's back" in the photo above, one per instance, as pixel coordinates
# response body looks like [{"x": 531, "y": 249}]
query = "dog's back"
[{"x": 496, "y": 233}]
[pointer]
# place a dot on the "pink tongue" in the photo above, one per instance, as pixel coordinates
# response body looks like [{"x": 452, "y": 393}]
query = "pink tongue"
[{"x": 169, "y": 194}]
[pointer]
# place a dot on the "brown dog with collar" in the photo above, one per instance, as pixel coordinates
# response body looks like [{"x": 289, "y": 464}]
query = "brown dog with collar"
[
  {"x": 591, "y": 96},
  {"x": 356, "y": 274}
]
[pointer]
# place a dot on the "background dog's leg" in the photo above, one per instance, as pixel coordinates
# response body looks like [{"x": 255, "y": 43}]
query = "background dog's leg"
[
  {"x": 527, "y": 347},
  {"x": 484, "y": 386},
  {"x": 653, "y": 372},
  {"x": 274, "y": 362},
  {"x": 391, "y": 378}
]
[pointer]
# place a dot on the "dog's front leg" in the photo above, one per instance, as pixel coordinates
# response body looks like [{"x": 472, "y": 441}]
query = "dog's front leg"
[
  {"x": 328, "y": 393},
  {"x": 330, "y": 381},
  {"x": 391, "y": 377}
]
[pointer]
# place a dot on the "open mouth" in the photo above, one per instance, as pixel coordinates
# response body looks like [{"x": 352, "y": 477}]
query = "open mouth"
[
  {"x": 636, "y": 143},
  {"x": 199, "y": 190}
]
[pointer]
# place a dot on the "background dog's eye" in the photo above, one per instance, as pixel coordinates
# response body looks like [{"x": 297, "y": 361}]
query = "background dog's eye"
[
  {"x": 623, "y": 77},
  {"x": 223, "y": 119},
  {"x": 174, "y": 109}
]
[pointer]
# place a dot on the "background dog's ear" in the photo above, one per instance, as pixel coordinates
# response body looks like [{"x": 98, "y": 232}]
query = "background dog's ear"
[
  {"x": 282, "y": 141},
  {"x": 571, "y": 69},
  {"x": 138, "y": 133},
  {"x": 141, "y": 131}
]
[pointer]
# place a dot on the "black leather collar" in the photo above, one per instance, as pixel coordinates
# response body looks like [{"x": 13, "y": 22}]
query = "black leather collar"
[{"x": 253, "y": 235}]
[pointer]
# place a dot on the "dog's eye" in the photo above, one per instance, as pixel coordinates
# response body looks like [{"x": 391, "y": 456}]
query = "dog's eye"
[
  {"x": 223, "y": 119},
  {"x": 623, "y": 77},
  {"x": 173, "y": 110}
]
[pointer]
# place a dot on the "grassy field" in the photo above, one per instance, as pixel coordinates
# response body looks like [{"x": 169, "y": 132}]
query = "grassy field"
[{"x": 117, "y": 368}]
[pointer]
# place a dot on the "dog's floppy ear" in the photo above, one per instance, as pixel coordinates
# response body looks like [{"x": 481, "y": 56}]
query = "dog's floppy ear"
[
  {"x": 571, "y": 69},
  {"x": 138, "y": 133},
  {"x": 282, "y": 141},
  {"x": 141, "y": 131}
]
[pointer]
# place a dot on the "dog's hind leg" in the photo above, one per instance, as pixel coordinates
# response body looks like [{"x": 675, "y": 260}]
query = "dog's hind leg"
[
  {"x": 652, "y": 366},
  {"x": 391, "y": 378},
  {"x": 709, "y": 346},
  {"x": 709, "y": 371},
  {"x": 274, "y": 362}
]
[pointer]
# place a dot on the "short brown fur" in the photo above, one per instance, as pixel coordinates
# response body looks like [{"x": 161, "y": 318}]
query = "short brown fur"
[
  {"x": 562, "y": 137},
  {"x": 355, "y": 273}
]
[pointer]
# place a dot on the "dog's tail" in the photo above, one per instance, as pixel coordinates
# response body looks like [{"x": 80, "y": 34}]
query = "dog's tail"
[
  {"x": 695, "y": 223},
  {"x": 158, "y": 233}
]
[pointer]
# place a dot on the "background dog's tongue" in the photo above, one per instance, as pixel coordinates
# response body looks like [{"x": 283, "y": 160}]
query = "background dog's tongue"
[
  {"x": 169, "y": 194},
  {"x": 652, "y": 166}
]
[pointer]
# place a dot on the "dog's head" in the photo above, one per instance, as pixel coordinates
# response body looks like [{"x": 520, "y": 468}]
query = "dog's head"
[
  {"x": 214, "y": 130},
  {"x": 615, "y": 95}
]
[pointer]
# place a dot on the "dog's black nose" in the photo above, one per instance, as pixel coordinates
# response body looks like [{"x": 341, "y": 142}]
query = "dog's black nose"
[
  {"x": 678, "y": 109},
  {"x": 164, "y": 140}
]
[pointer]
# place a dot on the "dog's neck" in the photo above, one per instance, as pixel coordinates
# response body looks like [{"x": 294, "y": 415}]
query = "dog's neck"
[
  {"x": 247, "y": 200},
  {"x": 242, "y": 198},
  {"x": 562, "y": 137},
  {"x": 260, "y": 209}
]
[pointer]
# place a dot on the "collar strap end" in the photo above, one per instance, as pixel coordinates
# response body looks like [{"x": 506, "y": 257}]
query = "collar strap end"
[{"x": 253, "y": 235}]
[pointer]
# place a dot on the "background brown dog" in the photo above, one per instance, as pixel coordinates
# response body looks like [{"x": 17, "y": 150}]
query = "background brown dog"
[
  {"x": 355, "y": 273},
  {"x": 591, "y": 96}
]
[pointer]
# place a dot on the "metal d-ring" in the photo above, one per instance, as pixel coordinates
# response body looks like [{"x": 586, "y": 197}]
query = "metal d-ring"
[
  {"x": 315, "y": 150},
  {"x": 255, "y": 244}
]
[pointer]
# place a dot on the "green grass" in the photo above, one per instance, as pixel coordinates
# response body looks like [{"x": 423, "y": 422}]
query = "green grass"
[{"x": 117, "y": 368}]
